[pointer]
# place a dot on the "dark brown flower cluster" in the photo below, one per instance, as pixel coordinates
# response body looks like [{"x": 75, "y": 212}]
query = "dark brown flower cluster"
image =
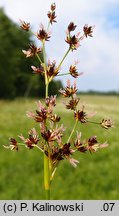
[
  {"x": 69, "y": 90},
  {"x": 88, "y": 30},
  {"x": 61, "y": 153},
  {"x": 72, "y": 104},
  {"x": 90, "y": 145},
  {"x": 44, "y": 112},
  {"x": 52, "y": 70},
  {"x": 73, "y": 71},
  {"x": 106, "y": 123},
  {"x": 38, "y": 70},
  {"x": 50, "y": 101},
  {"x": 71, "y": 27},
  {"x": 53, "y": 135},
  {"x": 80, "y": 115},
  {"x": 33, "y": 50},
  {"x": 13, "y": 144},
  {"x": 42, "y": 34},
  {"x": 32, "y": 139},
  {"x": 72, "y": 40},
  {"x": 25, "y": 26},
  {"x": 51, "y": 14}
]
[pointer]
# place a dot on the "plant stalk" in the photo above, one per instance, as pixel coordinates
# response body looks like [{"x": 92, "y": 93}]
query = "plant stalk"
[
  {"x": 72, "y": 131},
  {"x": 93, "y": 122},
  {"x": 63, "y": 58},
  {"x": 63, "y": 74},
  {"x": 46, "y": 158},
  {"x": 46, "y": 177},
  {"x": 39, "y": 58}
]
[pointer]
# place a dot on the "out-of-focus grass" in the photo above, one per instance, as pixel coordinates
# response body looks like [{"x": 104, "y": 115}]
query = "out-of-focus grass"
[{"x": 97, "y": 175}]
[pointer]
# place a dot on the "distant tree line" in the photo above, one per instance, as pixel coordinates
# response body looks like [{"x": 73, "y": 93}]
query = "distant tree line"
[
  {"x": 16, "y": 77},
  {"x": 93, "y": 92}
]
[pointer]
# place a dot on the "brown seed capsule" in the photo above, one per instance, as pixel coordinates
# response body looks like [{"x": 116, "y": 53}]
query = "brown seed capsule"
[
  {"x": 71, "y": 27},
  {"x": 25, "y": 26}
]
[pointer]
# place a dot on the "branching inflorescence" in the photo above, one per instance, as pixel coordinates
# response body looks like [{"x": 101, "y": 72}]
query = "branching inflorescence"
[{"x": 50, "y": 139}]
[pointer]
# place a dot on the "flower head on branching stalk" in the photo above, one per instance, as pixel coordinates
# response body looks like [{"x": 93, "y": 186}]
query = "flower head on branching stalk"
[
  {"x": 31, "y": 140},
  {"x": 25, "y": 26},
  {"x": 73, "y": 71},
  {"x": 13, "y": 144},
  {"x": 52, "y": 70},
  {"x": 71, "y": 27},
  {"x": 38, "y": 70},
  {"x": 106, "y": 123},
  {"x": 33, "y": 50},
  {"x": 51, "y": 14},
  {"x": 88, "y": 30},
  {"x": 72, "y": 104},
  {"x": 69, "y": 90},
  {"x": 42, "y": 34}
]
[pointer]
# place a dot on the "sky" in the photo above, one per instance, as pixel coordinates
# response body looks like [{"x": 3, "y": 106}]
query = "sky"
[{"x": 98, "y": 56}]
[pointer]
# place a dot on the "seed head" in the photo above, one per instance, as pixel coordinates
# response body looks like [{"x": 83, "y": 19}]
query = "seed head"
[
  {"x": 50, "y": 101},
  {"x": 38, "y": 70},
  {"x": 31, "y": 140},
  {"x": 13, "y": 144},
  {"x": 33, "y": 50},
  {"x": 81, "y": 115},
  {"x": 52, "y": 70},
  {"x": 88, "y": 30},
  {"x": 73, "y": 42},
  {"x": 53, "y": 6},
  {"x": 80, "y": 145},
  {"x": 69, "y": 90},
  {"x": 51, "y": 16},
  {"x": 43, "y": 34},
  {"x": 73, "y": 71},
  {"x": 25, "y": 26},
  {"x": 106, "y": 123},
  {"x": 72, "y": 104},
  {"x": 71, "y": 27}
]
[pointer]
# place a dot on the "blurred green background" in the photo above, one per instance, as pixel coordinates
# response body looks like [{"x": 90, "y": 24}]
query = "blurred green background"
[{"x": 21, "y": 173}]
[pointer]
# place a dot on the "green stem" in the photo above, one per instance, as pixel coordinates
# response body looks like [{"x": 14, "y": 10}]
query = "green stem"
[
  {"x": 47, "y": 166},
  {"x": 44, "y": 54},
  {"x": 33, "y": 33},
  {"x": 72, "y": 131},
  {"x": 46, "y": 176},
  {"x": 45, "y": 68},
  {"x": 93, "y": 122},
  {"x": 46, "y": 158},
  {"x": 38, "y": 58},
  {"x": 52, "y": 175},
  {"x": 47, "y": 90},
  {"x": 38, "y": 148},
  {"x": 48, "y": 26},
  {"x": 63, "y": 74},
  {"x": 63, "y": 58}
]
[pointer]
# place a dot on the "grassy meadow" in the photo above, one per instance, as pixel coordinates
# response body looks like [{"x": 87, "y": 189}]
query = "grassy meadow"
[{"x": 97, "y": 175}]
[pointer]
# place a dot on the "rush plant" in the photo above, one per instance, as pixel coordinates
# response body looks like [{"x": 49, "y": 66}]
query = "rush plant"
[{"x": 50, "y": 139}]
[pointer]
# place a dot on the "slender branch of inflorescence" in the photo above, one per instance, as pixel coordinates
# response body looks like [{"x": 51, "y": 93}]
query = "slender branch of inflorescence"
[
  {"x": 63, "y": 74},
  {"x": 38, "y": 57},
  {"x": 63, "y": 59},
  {"x": 93, "y": 122},
  {"x": 72, "y": 131}
]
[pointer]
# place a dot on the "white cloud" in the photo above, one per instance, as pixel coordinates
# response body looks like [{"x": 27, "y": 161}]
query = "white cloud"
[{"x": 98, "y": 55}]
